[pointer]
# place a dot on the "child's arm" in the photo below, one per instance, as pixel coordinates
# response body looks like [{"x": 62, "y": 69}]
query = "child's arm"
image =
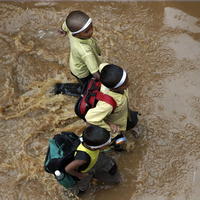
[
  {"x": 96, "y": 75},
  {"x": 92, "y": 62},
  {"x": 97, "y": 114},
  {"x": 114, "y": 128},
  {"x": 72, "y": 167}
]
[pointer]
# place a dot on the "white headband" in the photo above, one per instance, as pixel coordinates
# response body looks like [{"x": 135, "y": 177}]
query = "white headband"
[
  {"x": 121, "y": 82},
  {"x": 89, "y": 21},
  {"x": 99, "y": 146}
]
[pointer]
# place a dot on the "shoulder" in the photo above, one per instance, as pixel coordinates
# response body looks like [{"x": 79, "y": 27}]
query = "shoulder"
[
  {"x": 81, "y": 155},
  {"x": 82, "y": 47},
  {"x": 87, "y": 49},
  {"x": 107, "y": 91}
]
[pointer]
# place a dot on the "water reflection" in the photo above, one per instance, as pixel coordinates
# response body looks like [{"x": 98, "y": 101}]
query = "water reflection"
[
  {"x": 176, "y": 18},
  {"x": 185, "y": 46}
]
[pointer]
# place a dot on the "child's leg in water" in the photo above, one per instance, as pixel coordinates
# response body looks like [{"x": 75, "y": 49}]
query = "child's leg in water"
[
  {"x": 132, "y": 123},
  {"x": 72, "y": 89},
  {"x": 106, "y": 170},
  {"x": 118, "y": 142}
]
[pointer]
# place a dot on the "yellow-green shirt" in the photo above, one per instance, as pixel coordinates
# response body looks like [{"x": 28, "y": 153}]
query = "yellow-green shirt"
[
  {"x": 84, "y": 55},
  {"x": 94, "y": 154},
  {"x": 102, "y": 114}
]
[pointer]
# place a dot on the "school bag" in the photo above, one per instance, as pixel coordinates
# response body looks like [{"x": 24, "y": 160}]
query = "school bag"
[
  {"x": 90, "y": 96},
  {"x": 60, "y": 152}
]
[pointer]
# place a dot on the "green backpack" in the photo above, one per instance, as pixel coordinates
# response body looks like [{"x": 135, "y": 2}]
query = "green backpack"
[{"x": 60, "y": 152}]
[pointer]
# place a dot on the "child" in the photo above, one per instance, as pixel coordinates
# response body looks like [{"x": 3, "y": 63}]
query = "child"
[
  {"x": 84, "y": 58},
  {"x": 89, "y": 162},
  {"x": 115, "y": 82}
]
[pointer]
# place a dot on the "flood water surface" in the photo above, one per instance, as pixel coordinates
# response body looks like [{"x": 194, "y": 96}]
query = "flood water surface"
[{"x": 157, "y": 43}]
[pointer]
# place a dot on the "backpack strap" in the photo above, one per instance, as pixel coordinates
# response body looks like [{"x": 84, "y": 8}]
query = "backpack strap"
[{"x": 106, "y": 98}]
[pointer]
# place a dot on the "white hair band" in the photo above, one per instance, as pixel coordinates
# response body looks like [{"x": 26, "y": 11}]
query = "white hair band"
[
  {"x": 121, "y": 82},
  {"x": 99, "y": 146},
  {"x": 89, "y": 21}
]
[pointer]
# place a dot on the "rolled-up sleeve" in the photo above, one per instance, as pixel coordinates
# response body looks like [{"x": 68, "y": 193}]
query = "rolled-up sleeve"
[{"x": 97, "y": 115}]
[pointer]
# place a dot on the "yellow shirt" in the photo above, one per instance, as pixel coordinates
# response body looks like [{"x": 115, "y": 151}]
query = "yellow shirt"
[
  {"x": 84, "y": 55},
  {"x": 102, "y": 114},
  {"x": 93, "y": 156}
]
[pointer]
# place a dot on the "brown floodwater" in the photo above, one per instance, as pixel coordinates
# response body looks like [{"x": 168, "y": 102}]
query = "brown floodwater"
[{"x": 158, "y": 43}]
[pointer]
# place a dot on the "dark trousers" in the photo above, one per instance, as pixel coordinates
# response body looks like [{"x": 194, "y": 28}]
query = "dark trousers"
[
  {"x": 132, "y": 120},
  {"x": 72, "y": 89},
  {"x": 104, "y": 170},
  {"x": 83, "y": 81}
]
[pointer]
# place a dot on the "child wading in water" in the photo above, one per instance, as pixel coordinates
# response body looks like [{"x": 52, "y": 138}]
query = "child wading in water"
[
  {"x": 85, "y": 54},
  {"x": 90, "y": 162},
  {"x": 115, "y": 83}
]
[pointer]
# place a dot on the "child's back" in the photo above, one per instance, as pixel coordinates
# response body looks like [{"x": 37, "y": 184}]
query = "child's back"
[
  {"x": 115, "y": 83},
  {"x": 102, "y": 114}
]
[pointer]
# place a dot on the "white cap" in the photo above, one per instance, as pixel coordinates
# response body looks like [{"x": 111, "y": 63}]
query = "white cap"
[{"x": 57, "y": 173}]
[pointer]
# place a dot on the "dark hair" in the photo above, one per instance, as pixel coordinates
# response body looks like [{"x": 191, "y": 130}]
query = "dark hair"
[
  {"x": 111, "y": 75},
  {"x": 76, "y": 20},
  {"x": 95, "y": 135}
]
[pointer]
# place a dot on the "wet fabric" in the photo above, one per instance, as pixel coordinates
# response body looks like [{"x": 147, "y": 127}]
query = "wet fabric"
[
  {"x": 105, "y": 170},
  {"x": 132, "y": 119}
]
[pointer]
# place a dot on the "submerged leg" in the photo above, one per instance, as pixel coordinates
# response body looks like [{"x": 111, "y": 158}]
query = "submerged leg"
[
  {"x": 71, "y": 89},
  {"x": 106, "y": 170}
]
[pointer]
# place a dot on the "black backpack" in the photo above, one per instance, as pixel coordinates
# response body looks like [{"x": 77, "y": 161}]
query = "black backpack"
[{"x": 60, "y": 152}]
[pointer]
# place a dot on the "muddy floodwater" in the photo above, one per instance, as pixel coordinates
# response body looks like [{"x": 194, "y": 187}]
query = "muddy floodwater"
[{"x": 158, "y": 43}]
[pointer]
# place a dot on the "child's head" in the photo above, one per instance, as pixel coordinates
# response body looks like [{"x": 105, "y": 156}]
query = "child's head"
[
  {"x": 96, "y": 137},
  {"x": 80, "y": 24},
  {"x": 114, "y": 77}
]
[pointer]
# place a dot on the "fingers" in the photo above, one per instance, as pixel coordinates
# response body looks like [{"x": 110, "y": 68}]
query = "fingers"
[{"x": 115, "y": 128}]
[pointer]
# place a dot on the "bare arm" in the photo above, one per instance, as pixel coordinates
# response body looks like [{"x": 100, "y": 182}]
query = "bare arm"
[
  {"x": 96, "y": 75},
  {"x": 72, "y": 167},
  {"x": 114, "y": 128}
]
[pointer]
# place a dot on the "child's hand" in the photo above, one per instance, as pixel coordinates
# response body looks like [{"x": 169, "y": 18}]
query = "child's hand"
[
  {"x": 114, "y": 128},
  {"x": 96, "y": 75},
  {"x": 62, "y": 32}
]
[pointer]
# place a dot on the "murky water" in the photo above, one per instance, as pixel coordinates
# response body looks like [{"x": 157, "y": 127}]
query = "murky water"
[{"x": 158, "y": 43}]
